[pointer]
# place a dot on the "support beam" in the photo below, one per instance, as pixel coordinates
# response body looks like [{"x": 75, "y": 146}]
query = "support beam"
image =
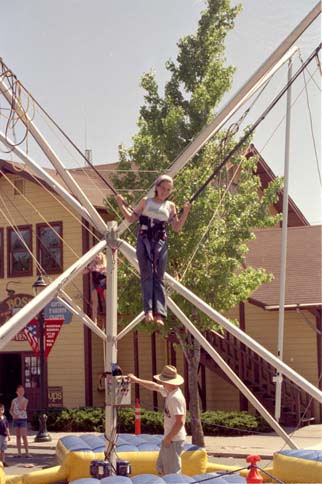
[
  {"x": 79, "y": 313},
  {"x": 229, "y": 372},
  {"x": 111, "y": 340},
  {"x": 96, "y": 219},
  {"x": 131, "y": 326},
  {"x": 281, "y": 313},
  {"x": 41, "y": 173},
  {"x": 129, "y": 253},
  {"x": 19, "y": 320}
]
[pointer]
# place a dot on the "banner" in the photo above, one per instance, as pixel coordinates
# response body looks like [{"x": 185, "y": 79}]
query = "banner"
[{"x": 52, "y": 328}]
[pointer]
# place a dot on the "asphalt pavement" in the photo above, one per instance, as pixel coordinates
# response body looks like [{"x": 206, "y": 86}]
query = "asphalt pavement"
[{"x": 223, "y": 450}]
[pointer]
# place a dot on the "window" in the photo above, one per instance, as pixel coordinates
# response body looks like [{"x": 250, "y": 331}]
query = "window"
[
  {"x": 19, "y": 257},
  {"x": 50, "y": 247},
  {"x": 19, "y": 187},
  {"x": 31, "y": 372},
  {"x": 1, "y": 254}
]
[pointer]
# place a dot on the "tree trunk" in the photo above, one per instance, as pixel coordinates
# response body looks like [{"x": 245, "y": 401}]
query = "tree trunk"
[{"x": 194, "y": 406}]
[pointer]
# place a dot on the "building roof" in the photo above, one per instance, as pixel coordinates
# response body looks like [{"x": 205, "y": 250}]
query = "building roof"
[
  {"x": 89, "y": 181},
  {"x": 303, "y": 270},
  {"x": 295, "y": 216}
]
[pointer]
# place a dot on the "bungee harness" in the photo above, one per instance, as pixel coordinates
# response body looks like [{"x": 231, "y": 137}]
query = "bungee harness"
[{"x": 153, "y": 233}]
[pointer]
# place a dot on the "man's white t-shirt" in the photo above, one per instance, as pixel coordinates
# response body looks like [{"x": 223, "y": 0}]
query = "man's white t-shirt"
[{"x": 175, "y": 404}]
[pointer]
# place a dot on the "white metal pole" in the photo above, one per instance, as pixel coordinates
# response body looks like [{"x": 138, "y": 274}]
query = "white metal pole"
[
  {"x": 111, "y": 333},
  {"x": 129, "y": 253},
  {"x": 130, "y": 326},
  {"x": 280, "y": 337},
  {"x": 79, "y": 313},
  {"x": 11, "y": 327},
  {"x": 230, "y": 373},
  {"x": 97, "y": 220},
  {"x": 41, "y": 173}
]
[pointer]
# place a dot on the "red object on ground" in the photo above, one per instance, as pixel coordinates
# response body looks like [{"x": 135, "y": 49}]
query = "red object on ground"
[
  {"x": 137, "y": 424},
  {"x": 254, "y": 476}
]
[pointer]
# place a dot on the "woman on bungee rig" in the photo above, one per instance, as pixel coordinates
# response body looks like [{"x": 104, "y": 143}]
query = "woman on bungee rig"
[{"x": 154, "y": 214}]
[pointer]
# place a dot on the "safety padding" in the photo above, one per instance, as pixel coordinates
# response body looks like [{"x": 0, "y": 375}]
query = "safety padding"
[
  {"x": 214, "y": 467},
  {"x": 75, "y": 453},
  {"x": 298, "y": 466},
  {"x": 48, "y": 476},
  {"x": 2, "y": 475},
  {"x": 168, "y": 479}
]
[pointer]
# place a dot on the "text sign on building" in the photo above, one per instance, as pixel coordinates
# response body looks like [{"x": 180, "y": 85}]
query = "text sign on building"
[
  {"x": 52, "y": 328},
  {"x": 11, "y": 305},
  {"x": 56, "y": 310},
  {"x": 55, "y": 397}
]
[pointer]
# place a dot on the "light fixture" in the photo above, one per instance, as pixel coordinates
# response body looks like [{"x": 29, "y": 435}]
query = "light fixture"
[{"x": 39, "y": 285}]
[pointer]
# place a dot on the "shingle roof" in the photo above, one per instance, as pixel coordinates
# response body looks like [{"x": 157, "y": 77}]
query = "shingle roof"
[{"x": 303, "y": 270}]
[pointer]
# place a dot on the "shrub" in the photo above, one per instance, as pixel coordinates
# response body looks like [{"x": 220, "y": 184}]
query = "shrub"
[{"x": 89, "y": 419}]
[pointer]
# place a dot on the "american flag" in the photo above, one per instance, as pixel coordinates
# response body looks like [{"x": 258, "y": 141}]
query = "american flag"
[{"x": 31, "y": 333}]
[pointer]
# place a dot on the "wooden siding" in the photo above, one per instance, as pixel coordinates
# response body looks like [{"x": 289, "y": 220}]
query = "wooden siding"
[{"x": 66, "y": 360}]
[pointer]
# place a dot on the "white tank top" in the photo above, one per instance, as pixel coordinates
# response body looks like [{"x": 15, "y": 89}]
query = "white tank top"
[{"x": 156, "y": 210}]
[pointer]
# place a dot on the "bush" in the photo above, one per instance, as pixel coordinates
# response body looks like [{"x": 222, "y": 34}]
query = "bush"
[{"x": 89, "y": 419}]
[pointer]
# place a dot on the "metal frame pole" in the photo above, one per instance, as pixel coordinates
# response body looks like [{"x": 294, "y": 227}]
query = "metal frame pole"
[
  {"x": 11, "y": 327},
  {"x": 230, "y": 373},
  {"x": 41, "y": 173},
  {"x": 280, "y": 337},
  {"x": 97, "y": 220},
  {"x": 111, "y": 336}
]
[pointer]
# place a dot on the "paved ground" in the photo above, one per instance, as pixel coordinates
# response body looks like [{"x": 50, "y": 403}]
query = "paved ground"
[{"x": 223, "y": 450}]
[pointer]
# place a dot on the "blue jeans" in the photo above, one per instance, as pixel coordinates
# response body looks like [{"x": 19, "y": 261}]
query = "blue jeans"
[{"x": 152, "y": 273}]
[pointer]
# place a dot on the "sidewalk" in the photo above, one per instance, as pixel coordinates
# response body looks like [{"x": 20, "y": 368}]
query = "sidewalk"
[{"x": 44, "y": 454}]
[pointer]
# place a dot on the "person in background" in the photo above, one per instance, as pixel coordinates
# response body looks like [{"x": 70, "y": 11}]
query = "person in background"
[
  {"x": 169, "y": 459},
  {"x": 18, "y": 411},
  {"x": 98, "y": 270},
  {"x": 154, "y": 215},
  {"x": 4, "y": 435}
]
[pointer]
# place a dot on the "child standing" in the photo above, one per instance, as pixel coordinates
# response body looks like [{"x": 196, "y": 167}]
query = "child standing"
[
  {"x": 4, "y": 435},
  {"x": 18, "y": 411}
]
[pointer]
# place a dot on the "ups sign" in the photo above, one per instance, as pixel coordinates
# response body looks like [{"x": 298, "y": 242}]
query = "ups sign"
[{"x": 55, "y": 397}]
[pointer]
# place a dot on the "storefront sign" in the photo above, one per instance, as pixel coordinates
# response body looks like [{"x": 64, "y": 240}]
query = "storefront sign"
[
  {"x": 10, "y": 306},
  {"x": 55, "y": 397},
  {"x": 56, "y": 309}
]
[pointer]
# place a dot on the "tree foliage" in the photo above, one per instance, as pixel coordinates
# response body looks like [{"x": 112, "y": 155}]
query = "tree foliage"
[
  {"x": 222, "y": 219},
  {"x": 208, "y": 256}
]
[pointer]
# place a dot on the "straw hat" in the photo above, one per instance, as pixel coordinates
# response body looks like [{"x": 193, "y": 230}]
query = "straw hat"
[{"x": 169, "y": 375}]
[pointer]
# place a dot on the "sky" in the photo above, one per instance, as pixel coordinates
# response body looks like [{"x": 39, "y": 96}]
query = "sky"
[{"x": 83, "y": 61}]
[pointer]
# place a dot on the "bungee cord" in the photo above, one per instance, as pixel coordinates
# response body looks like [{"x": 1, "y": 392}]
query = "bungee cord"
[
  {"x": 188, "y": 264},
  {"x": 12, "y": 85},
  {"x": 282, "y": 119},
  {"x": 255, "y": 125},
  {"x": 16, "y": 88},
  {"x": 311, "y": 125}
]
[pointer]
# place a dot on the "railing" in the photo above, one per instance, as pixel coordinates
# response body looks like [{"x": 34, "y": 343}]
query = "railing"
[{"x": 257, "y": 374}]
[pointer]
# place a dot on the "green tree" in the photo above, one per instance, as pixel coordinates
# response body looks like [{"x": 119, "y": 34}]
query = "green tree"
[{"x": 208, "y": 256}]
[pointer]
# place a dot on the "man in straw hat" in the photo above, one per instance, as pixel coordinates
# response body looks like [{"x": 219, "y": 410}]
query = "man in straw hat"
[{"x": 169, "y": 459}]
